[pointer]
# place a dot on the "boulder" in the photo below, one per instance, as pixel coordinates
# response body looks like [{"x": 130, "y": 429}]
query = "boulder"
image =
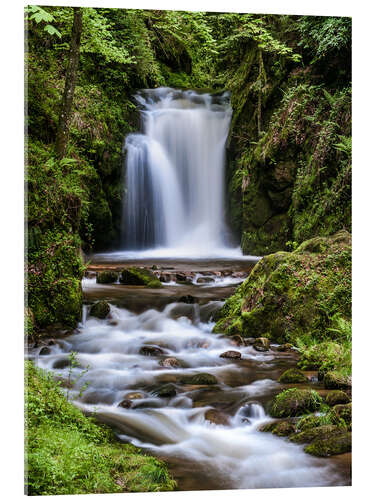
[
  {"x": 169, "y": 363},
  {"x": 44, "y": 351},
  {"x": 231, "y": 355},
  {"x": 261, "y": 344},
  {"x": 294, "y": 402},
  {"x": 100, "y": 309},
  {"x": 150, "y": 350},
  {"x": 283, "y": 428},
  {"x": 284, "y": 347},
  {"x": 138, "y": 276},
  {"x": 106, "y": 277},
  {"x": 134, "y": 395},
  {"x": 293, "y": 376},
  {"x": 165, "y": 391},
  {"x": 335, "y": 380},
  {"x": 320, "y": 432},
  {"x": 200, "y": 379},
  {"x": 341, "y": 414},
  {"x": 126, "y": 403},
  {"x": 205, "y": 279},
  {"x": 337, "y": 398},
  {"x": 330, "y": 444},
  {"x": 216, "y": 417}
]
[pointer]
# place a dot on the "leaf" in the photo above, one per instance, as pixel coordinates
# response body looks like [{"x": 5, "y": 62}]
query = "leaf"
[{"x": 52, "y": 30}]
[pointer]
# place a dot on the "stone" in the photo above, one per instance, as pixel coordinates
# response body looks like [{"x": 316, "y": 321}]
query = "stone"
[
  {"x": 293, "y": 376},
  {"x": 294, "y": 402},
  {"x": 44, "y": 351},
  {"x": 187, "y": 299},
  {"x": 100, "y": 309},
  {"x": 330, "y": 445},
  {"x": 201, "y": 379},
  {"x": 126, "y": 403},
  {"x": 216, "y": 417},
  {"x": 231, "y": 355},
  {"x": 150, "y": 350},
  {"x": 106, "y": 277},
  {"x": 335, "y": 380},
  {"x": 261, "y": 344},
  {"x": 165, "y": 391},
  {"x": 336, "y": 398},
  {"x": 134, "y": 395},
  {"x": 169, "y": 363},
  {"x": 205, "y": 279},
  {"x": 283, "y": 428},
  {"x": 137, "y": 276},
  {"x": 284, "y": 347}
]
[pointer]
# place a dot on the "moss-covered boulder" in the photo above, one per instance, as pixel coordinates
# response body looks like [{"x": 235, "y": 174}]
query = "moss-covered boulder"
[
  {"x": 336, "y": 380},
  {"x": 292, "y": 294},
  {"x": 337, "y": 398},
  {"x": 294, "y": 402},
  {"x": 261, "y": 344},
  {"x": 100, "y": 309},
  {"x": 106, "y": 277},
  {"x": 165, "y": 391},
  {"x": 283, "y": 428},
  {"x": 293, "y": 376},
  {"x": 330, "y": 444},
  {"x": 200, "y": 379},
  {"x": 138, "y": 276},
  {"x": 342, "y": 415},
  {"x": 309, "y": 422},
  {"x": 320, "y": 432}
]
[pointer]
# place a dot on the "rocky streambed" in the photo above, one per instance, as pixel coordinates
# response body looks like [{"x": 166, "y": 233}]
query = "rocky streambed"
[{"x": 149, "y": 365}]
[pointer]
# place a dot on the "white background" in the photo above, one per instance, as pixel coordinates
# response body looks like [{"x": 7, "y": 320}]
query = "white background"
[{"x": 11, "y": 239}]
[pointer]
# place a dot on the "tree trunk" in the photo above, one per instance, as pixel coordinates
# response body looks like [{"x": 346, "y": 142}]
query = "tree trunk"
[{"x": 70, "y": 82}]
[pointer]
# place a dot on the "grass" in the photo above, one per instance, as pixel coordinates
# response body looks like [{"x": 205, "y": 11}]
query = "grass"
[{"x": 68, "y": 453}]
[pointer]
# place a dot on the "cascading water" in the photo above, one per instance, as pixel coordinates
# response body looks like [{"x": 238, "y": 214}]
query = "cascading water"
[{"x": 175, "y": 173}]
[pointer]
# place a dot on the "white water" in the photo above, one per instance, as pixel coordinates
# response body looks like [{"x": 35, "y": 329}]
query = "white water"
[
  {"x": 237, "y": 455},
  {"x": 174, "y": 202}
]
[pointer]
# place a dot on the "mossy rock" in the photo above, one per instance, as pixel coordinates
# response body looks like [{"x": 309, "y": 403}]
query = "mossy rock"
[
  {"x": 309, "y": 422},
  {"x": 320, "y": 432},
  {"x": 330, "y": 445},
  {"x": 342, "y": 414},
  {"x": 106, "y": 277},
  {"x": 293, "y": 376},
  {"x": 138, "y": 276},
  {"x": 336, "y": 380},
  {"x": 337, "y": 398},
  {"x": 201, "y": 379},
  {"x": 294, "y": 402},
  {"x": 100, "y": 309},
  {"x": 284, "y": 428},
  {"x": 165, "y": 391},
  {"x": 261, "y": 344}
]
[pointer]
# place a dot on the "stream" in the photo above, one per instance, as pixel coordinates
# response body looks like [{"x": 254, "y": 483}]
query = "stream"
[{"x": 120, "y": 375}]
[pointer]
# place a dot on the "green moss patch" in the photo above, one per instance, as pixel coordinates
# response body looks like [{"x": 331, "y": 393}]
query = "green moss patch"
[
  {"x": 139, "y": 277},
  {"x": 294, "y": 402}
]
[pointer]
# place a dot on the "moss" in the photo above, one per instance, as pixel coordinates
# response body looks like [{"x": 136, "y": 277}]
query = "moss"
[
  {"x": 293, "y": 376},
  {"x": 337, "y": 397},
  {"x": 341, "y": 414},
  {"x": 100, "y": 309},
  {"x": 284, "y": 428},
  {"x": 330, "y": 445},
  {"x": 105, "y": 277},
  {"x": 320, "y": 432},
  {"x": 294, "y": 402},
  {"x": 336, "y": 380},
  {"x": 139, "y": 277},
  {"x": 68, "y": 453},
  {"x": 200, "y": 379}
]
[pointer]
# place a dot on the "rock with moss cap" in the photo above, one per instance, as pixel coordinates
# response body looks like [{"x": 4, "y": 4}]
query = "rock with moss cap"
[
  {"x": 106, "y": 277},
  {"x": 200, "y": 379},
  {"x": 138, "y": 276},
  {"x": 294, "y": 402},
  {"x": 100, "y": 309},
  {"x": 342, "y": 415},
  {"x": 261, "y": 344},
  {"x": 337, "y": 398},
  {"x": 312, "y": 433},
  {"x": 283, "y": 428},
  {"x": 336, "y": 380},
  {"x": 293, "y": 376},
  {"x": 330, "y": 444}
]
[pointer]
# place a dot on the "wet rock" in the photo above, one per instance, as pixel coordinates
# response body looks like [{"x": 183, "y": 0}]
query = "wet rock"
[
  {"x": 134, "y": 395},
  {"x": 284, "y": 348},
  {"x": 126, "y": 403},
  {"x": 205, "y": 279},
  {"x": 336, "y": 398},
  {"x": 167, "y": 378},
  {"x": 308, "y": 435},
  {"x": 249, "y": 341},
  {"x": 237, "y": 340},
  {"x": 150, "y": 350},
  {"x": 216, "y": 417},
  {"x": 60, "y": 364},
  {"x": 335, "y": 380},
  {"x": 169, "y": 363},
  {"x": 138, "y": 276},
  {"x": 330, "y": 444},
  {"x": 187, "y": 299},
  {"x": 261, "y": 344},
  {"x": 100, "y": 309},
  {"x": 231, "y": 355},
  {"x": 165, "y": 391},
  {"x": 44, "y": 351},
  {"x": 201, "y": 379},
  {"x": 106, "y": 277},
  {"x": 309, "y": 422},
  {"x": 293, "y": 376},
  {"x": 294, "y": 402},
  {"x": 283, "y": 428}
]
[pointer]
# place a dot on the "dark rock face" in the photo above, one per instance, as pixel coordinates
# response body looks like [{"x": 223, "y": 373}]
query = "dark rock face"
[
  {"x": 150, "y": 350},
  {"x": 100, "y": 309},
  {"x": 216, "y": 417},
  {"x": 293, "y": 376},
  {"x": 106, "y": 277},
  {"x": 231, "y": 355}
]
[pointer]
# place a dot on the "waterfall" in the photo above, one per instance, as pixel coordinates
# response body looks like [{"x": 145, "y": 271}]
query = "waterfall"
[{"x": 174, "y": 182}]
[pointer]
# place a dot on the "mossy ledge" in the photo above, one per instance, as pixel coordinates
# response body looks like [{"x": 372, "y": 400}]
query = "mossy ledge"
[
  {"x": 289, "y": 295},
  {"x": 69, "y": 454}
]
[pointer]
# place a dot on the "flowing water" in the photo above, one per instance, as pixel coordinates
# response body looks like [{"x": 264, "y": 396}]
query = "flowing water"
[
  {"x": 174, "y": 182},
  {"x": 201, "y": 454}
]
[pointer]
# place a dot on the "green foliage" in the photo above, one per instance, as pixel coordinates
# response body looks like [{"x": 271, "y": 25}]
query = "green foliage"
[
  {"x": 37, "y": 14},
  {"x": 68, "y": 453}
]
